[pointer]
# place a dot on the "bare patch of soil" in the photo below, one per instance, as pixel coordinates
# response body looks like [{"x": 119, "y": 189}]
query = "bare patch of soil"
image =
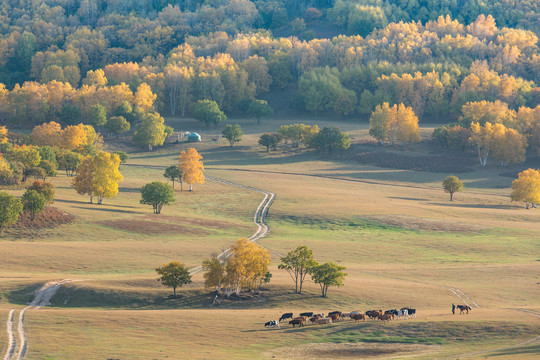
[
  {"x": 354, "y": 350},
  {"x": 151, "y": 227},
  {"x": 216, "y": 224},
  {"x": 445, "y": 163},
  {"x": 50, "y": 217},
  {"x": 414, "y": 223}
]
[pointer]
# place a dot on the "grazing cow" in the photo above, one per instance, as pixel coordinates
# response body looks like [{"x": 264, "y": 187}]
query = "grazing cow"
[
  {"x": 374, "y": 314},
  {"x": 272, "y": 323},
  {"x": 412, "y": 312},
  {"x": 392, "y": 312},
  {"x": 314, "y": 319},
  {"x": 385, "y": 317},
  {"x": 463, "y": 308},
  {"x": 335, "y": 313},
  {"x": 308, "y": 314},
  {"x": 295, "y": 322},
  {"x": 304, "y": 319},
  {"x": 324, "y": 321},
  {"x": 404, "y": 313},
  {"x": 334, "y": 317},
  {"x": 285, "y": 316},
  {"x": 357, "y": 317}
]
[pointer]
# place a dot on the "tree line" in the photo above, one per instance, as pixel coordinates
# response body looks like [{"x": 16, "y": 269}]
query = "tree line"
[{"x": 434, "y": 67}]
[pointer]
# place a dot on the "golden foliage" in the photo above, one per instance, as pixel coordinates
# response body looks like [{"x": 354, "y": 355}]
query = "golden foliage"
[
  {"x": 98, "y": 176},
  {"x": 247, "y": 265},
  {"x": 192, "y": 167},
  {"x": 527, "y": 187},
  {"x": 508, "y": 145}
]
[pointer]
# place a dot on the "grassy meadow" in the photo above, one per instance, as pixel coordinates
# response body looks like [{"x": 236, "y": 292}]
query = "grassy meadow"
[{"x": 403, "y": 243}]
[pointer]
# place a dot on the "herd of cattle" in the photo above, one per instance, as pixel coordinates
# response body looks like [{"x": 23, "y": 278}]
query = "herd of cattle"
[{"x": 321, "y": 319}]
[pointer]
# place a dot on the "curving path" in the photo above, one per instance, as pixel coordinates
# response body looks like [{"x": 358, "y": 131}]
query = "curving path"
[
  {"x": 42, "y": 298},
  {"x": 258, "y": 218}
]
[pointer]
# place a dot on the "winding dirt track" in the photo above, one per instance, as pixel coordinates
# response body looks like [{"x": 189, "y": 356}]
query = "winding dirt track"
[
  {"x": 42, "y": 298},
  {"x": 258, "y": 218}
]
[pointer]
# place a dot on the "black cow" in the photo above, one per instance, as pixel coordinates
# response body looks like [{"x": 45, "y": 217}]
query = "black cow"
[
  {"x": 285, "y": 316},
  {"x": 338, "y": 313},
  {"x": 272, "y": 323},
  {"x": 308, "y": 314}
]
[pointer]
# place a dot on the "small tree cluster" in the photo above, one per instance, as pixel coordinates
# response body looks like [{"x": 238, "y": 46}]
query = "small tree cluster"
[
  {"x": 245, "y": 267},
  {"x": 300, "y": 262}
]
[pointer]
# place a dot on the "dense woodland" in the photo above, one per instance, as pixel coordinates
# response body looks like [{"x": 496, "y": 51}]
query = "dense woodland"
[{"x": 90, "y": 61}]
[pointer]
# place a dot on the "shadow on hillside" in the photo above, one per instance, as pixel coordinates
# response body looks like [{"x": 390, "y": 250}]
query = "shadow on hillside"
[
  {"x": 23, "y": 295},
  {"x": 97, "y": 206},
  {"x": 106, "y": 209},
  {"x": 473, "y": 206},
  {"x": 242, "y": 158},
  {"x": 407, "y": 198}
]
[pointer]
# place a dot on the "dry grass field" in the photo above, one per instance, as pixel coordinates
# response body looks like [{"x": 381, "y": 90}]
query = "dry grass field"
[{"x": 403, "y": 243}]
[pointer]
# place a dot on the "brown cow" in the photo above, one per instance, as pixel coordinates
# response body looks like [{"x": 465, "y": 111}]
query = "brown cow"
[
  {"x": 357, "y": 317},
  {"x": 294, "y": 322},
  {"x": 327, "y": 321},
  {"x": 334, "y": 317},
  {"x": 373, "y": 314},
  {"x": 303, "y": 318},
  {"x": 385, "y": 317}
]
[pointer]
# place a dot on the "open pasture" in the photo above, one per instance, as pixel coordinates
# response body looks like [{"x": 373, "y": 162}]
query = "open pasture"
[{"x": 403, "y": 243}]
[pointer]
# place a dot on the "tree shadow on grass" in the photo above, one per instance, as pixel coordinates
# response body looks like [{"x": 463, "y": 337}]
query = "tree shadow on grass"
[
  {"x": 478, "y": 206},
  {"x": 106, "y": 209},
  {"x": 407, "y": 198},
  {"x": 97, "y": 206}
]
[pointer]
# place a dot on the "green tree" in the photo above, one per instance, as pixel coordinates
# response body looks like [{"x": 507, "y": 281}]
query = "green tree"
[
  {"x": 33, "y": 202},
  {"x": 214, "y": 273},
  {"x": 123, "y": 156},
  {"x": 451, "y": 185},
  {"x": 150, "y": 131},
  {"x": 328, "y": 274},
  {"x": 268, "y": 140},
  {"x": 117, "y": 125},
  {"x": 173, "y": 275},
  {"x": 259, "y": 108},
  {"x": 157, "y": 194},
  {"x": 10, "y": 209},
  {"x": 174, "y": 173},
  {"x": 233, "y": 133},
  {"x": 298, "y": 264},
  {"x": 330, "y": 139},
  {"x": 97, "y": 115},
  {"x": 45, "y": 189},
  {"x": 208, "y": 112}
]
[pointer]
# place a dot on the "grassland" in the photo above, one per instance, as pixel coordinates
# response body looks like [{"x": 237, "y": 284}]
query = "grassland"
[{"x": 402, "y": 241}]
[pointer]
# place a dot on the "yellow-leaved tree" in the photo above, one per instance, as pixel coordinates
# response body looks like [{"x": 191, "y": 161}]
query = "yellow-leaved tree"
[
  {"x": 398, "y": 123},
  {"x": 192, "y": 167},
  {"x": 3, "y": 134},
  {"x": 247, "y": 266},
  {"x": 508, "y": 145},
  {"x": 73, "y": 136},
  {"x": 482, "y": 138},
  {"x": 144, "y": 97},
  {"x": 527, "y": 187},
  {"x": 48, "y": 134},
  {"x": 98, "y": 176}
]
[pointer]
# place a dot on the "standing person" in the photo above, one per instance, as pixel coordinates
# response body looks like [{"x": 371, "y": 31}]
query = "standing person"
[{"x": 453, "y": 309}]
